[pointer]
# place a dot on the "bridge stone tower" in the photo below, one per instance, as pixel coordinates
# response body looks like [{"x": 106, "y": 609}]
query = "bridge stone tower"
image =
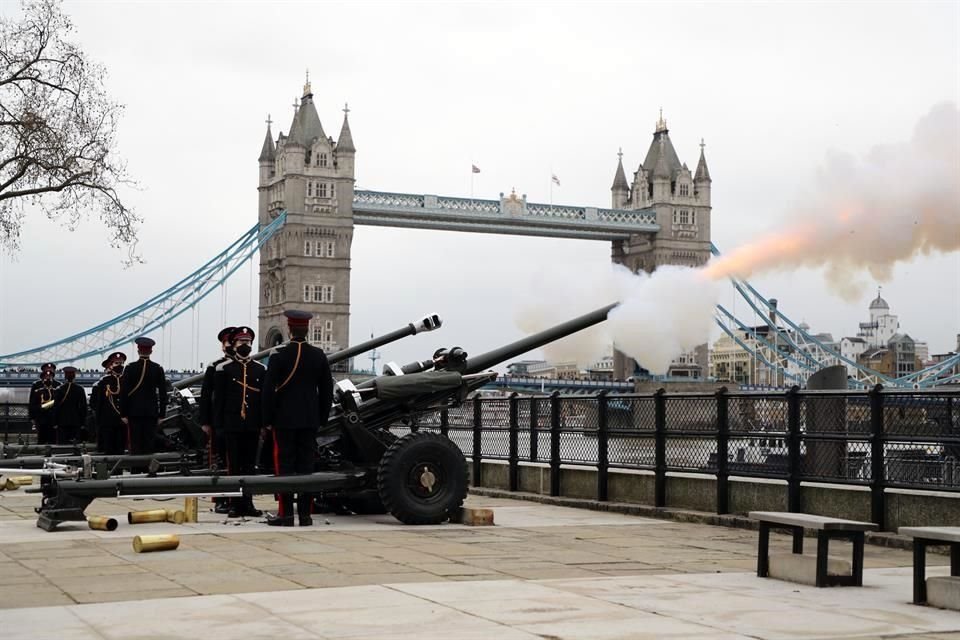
[
  {"x": 681, "y": 201},
  {"x": 306, "y": 265}
]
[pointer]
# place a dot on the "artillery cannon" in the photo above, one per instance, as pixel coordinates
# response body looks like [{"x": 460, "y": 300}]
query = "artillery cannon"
[{"x": 420, "y": 478}]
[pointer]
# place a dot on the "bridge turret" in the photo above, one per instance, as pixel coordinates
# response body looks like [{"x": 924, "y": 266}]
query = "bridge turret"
[
  {"x": 661, "y": 176},
  {"x": 702, "y": 178},
  {"x": 345, "y": 151},
  {"x": 620, "y": 188},
  {"x": 268, "y": 157}
]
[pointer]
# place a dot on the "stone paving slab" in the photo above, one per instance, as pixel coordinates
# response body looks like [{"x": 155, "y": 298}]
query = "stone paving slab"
[
  {"x": 724, "y": 607},
  {"x": 542, "y": 572}
]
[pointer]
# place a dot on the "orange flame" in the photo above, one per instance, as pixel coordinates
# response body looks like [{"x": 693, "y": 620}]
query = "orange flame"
[{"x": 763, "y": 253}]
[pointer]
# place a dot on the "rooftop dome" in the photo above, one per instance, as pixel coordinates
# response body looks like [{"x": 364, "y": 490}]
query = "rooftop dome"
[{"x": 879, "y": 303}]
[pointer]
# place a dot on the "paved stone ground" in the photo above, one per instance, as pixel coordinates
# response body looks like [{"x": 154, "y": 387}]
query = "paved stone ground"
[{"x": 542, "y": 572}]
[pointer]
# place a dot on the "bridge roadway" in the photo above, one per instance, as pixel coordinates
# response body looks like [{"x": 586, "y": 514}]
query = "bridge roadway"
[{"x": 542, "y": 572}]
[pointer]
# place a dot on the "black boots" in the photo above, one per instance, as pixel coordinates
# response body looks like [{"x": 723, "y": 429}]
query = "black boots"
[
  {"x": 304, "y": 509},
  {"x": 279, "y": 521},
  {"x": 243, "y": 507}
]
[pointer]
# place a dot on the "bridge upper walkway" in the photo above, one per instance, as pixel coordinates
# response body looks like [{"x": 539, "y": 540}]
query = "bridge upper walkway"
[{"x": 509, "y": 215}]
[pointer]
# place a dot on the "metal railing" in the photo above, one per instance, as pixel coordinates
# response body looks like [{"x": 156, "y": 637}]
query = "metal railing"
[{"x": 875, "y": 439}]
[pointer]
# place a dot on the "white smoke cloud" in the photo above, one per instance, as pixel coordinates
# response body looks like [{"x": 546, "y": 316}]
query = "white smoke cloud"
[
  {"x": 660, "y": 315},
  {"x": 865, "y": 216},
  {"x": 899, "y": 201}
]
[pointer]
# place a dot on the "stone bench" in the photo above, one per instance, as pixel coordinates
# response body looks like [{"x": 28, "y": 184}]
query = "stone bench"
[
  {"x": 827, "y": 529},
  {"x": 946, "y": 592}
]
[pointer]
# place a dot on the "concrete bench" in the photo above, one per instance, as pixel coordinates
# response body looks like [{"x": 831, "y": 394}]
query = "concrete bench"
[
  {"x": 922, "y": 537},
  {"x": 827, "y": 529}
]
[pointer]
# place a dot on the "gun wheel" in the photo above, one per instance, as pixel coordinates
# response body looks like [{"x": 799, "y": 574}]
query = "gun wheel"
[{"x": 422, "y": 478}]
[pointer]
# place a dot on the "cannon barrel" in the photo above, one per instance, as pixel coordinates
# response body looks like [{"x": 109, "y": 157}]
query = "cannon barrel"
[
  {"x": 489, "y": 359},
  {"x": 427, "y": 323}
]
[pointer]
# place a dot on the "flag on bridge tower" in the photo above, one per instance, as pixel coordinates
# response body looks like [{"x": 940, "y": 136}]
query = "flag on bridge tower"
[
  {"x": 555, "y": 179},
  {"x": 474, "y": 168}
]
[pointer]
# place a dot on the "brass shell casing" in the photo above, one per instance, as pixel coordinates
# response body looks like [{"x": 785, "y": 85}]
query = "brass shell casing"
[
  {"x": 15, "y": 482},
  {"x": 176, "y": 516},
  {"x": 190, "y": 509},
  {"x": 102, "y": 523},
  {"x": 140, "y": 517},
  {"x": 144, "y": 544}
]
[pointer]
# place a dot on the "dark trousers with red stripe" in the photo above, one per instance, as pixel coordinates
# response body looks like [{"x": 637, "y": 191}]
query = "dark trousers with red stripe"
[
  {"x": 142, "y": 435},
  {"x": 241, "y": 457},
  {"x": 111, "y": 437},
  {"x": 294, "y": 453}
]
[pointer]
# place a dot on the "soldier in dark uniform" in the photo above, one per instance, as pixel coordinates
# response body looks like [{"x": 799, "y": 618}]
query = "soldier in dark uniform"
[
  {"x": 297, "y": 395},
  {"x": 216, "y": 448},
  {"x": 143, "y": 399},
  {"x": 105, "y": 402},
  {"x": 41, "y": 404},
  {"x": 70, "y": 406},
  {"x": 237, "y": 413}
]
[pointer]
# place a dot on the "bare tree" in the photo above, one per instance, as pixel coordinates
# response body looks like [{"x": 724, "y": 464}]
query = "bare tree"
[{"x": 57, "y": 129}]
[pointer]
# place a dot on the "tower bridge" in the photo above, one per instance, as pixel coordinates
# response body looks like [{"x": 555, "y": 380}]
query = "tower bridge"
[
  {"x": 308, "y": 208},
  {"x": 661, "y": 217}
]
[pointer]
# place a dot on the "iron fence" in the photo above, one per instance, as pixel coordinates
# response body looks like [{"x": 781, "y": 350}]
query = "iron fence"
[{"x": 878, "y": 439}]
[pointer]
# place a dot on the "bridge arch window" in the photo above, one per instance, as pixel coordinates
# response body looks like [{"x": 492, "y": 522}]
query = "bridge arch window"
[
  {"x": 309, "y": 189},
  {"x": 331, "y": 249},
  {"x": 684, "y": 190},
  {"x": 308, "y": 292},
  {"x": 322, "y": 189},
  {"x": 307, "y": 248},
  {"x": 321, "y": 159}
]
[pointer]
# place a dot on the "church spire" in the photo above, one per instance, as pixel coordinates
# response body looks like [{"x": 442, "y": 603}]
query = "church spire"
[
  {"x": 268, "y": 151},
  {"x": 703, "y": 174},
  {"x": 345, "y": 141}
]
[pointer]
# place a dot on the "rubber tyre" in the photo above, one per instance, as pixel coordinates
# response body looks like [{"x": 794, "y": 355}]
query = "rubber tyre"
[{"x": 399, "y": 485}]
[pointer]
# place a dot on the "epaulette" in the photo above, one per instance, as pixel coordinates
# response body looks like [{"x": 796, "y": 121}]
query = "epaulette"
[{"x": 223, "y": 364}]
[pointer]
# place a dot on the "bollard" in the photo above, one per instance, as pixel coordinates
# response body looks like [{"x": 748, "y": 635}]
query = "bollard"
[
  {"x": 102, "y": 523},
  {"x": 140, "y": 517},
  {"x": 176, "y": 516},
  {"x": 145, "y": 544},
  {"x": 190, "y": 509}
]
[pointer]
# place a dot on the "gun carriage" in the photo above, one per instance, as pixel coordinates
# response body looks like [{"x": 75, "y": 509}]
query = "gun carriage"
[{"x": 420, "y": 478}]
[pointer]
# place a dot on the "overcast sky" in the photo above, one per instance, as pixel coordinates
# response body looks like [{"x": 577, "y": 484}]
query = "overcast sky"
[{"x": 519, "y": 90}]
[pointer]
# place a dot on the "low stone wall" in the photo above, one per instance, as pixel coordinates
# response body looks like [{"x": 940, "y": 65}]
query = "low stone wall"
[{"x": 699, "y": 493}]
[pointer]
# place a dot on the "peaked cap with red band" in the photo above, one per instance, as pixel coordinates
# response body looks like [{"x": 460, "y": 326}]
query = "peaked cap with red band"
[
  {"x": 298, "y": 319},
  {"x": 243, "y": 332}
]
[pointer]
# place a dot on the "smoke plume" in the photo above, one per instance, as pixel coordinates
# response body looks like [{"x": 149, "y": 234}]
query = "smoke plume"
[
  {"x": 660, "y": 315},
  {"x": 898, "y": 202}
]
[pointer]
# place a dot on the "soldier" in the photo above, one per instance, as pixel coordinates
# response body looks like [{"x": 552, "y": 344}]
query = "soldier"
[
  {"x": 41, "y": 404},
  {"x": 297, "y": 395},
  {"x": 237, "y": 413},
  {"x": 143, "y": 399},
  {"x": 215, "y": 443},
  {"x": 105, "y": 402},
  {"x": 70, "y": 407}
]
